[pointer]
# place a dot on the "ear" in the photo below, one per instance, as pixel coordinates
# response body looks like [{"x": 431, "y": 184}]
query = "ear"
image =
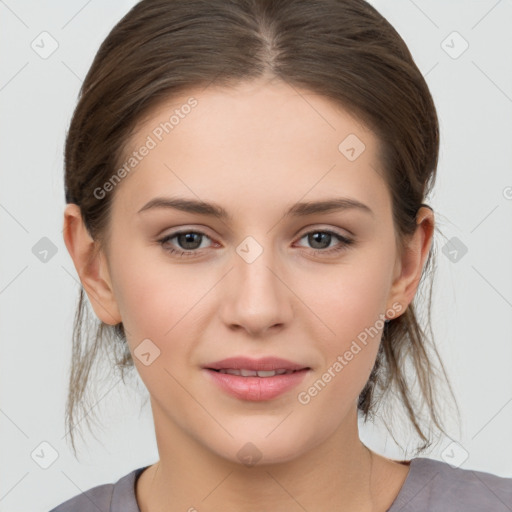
[
  {"x": 410, "y": 264},
  {"x": 91, "y": 266}
]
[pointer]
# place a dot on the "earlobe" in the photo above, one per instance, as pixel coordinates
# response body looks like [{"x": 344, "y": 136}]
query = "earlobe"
[
  {"x": 413, "y": 259},
  {"x": 90, "y": 265}
]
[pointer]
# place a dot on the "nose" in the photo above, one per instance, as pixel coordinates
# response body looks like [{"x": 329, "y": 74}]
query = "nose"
[{"x": 256, "y": 297}]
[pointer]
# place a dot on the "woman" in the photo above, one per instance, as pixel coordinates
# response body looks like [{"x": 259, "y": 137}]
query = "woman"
[{"x": 245, "y": 184}]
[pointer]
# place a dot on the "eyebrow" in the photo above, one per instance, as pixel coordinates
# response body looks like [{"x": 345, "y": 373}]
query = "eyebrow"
[{"x": 297, "y": 210}]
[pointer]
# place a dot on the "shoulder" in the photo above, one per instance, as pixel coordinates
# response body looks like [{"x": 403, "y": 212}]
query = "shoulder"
[
  {"x": 96, "y": 499},
  {"x": 111, "y": 497},
  {"x": 432, "y": 485}
]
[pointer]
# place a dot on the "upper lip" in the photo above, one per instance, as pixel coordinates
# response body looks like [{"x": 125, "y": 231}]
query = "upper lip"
[{"x": 262, "y": 364}]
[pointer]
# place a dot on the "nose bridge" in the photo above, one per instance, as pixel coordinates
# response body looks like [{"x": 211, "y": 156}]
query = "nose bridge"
[{"x": 254, "y": 264}]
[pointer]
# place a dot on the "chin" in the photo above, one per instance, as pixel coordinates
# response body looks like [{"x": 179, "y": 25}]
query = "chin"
[{"x": 264, "y": 446}]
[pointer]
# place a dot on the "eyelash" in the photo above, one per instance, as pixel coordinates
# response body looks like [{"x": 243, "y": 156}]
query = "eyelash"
[{"x": 345, "y": 243}]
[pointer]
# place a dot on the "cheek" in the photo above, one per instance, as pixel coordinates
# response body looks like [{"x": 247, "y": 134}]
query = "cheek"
[
  {"x": 352, "y": 305},
  {"x": 354, "y": 296},
  {"x": 154, "y": 294},
  {"x": 165, "y": 303},
  {"x": 156, "y": 309}
]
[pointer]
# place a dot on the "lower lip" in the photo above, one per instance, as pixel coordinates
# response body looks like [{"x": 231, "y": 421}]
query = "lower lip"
[{"x": 257, "y": 388}]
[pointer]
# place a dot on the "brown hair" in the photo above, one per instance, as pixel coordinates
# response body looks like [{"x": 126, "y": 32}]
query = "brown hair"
[{"x": 341, "y": 49}]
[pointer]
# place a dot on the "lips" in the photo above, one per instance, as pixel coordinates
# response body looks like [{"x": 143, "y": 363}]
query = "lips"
[
  {"x": 264, "y": 364},
  {"x": 256, "y": 379}
]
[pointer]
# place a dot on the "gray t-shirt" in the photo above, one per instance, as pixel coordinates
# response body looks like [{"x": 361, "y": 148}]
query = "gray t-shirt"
[{"x": 430, "y": 486}]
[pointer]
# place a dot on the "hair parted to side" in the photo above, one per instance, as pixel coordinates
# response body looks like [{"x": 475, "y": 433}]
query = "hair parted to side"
[{"x": 344, "y": 50}]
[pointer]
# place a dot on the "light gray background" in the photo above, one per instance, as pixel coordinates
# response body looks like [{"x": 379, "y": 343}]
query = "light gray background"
[{"x": 472, "y": 200}]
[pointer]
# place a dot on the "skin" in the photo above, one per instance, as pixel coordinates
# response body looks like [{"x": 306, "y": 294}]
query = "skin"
[{"x": 256, "y": 150}]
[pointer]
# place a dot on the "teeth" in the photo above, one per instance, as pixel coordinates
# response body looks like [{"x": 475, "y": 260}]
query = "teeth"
[
  {"x": 254, "y": 373},
  {"x": 270, "y": 373}
]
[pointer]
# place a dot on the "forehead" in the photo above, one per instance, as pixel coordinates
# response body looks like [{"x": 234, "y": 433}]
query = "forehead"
[{"x": 266, "y": 142}]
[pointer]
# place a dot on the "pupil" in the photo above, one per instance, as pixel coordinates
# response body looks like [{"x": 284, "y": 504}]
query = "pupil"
[
  {"x": 188, "y": 238},
  {"x": 316, "y": 237}
]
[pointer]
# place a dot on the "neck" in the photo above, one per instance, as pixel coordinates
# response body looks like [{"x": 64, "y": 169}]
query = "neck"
[{"x": 340, "y": 472}]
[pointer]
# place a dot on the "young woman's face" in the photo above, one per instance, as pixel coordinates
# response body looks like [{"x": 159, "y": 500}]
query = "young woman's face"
[{"x": 271, "y": 279}]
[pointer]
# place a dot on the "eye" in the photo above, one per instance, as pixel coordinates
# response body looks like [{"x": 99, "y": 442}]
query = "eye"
[
  {"x": 321, "y": 240},
  {"x": 191, "y": 242}
]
